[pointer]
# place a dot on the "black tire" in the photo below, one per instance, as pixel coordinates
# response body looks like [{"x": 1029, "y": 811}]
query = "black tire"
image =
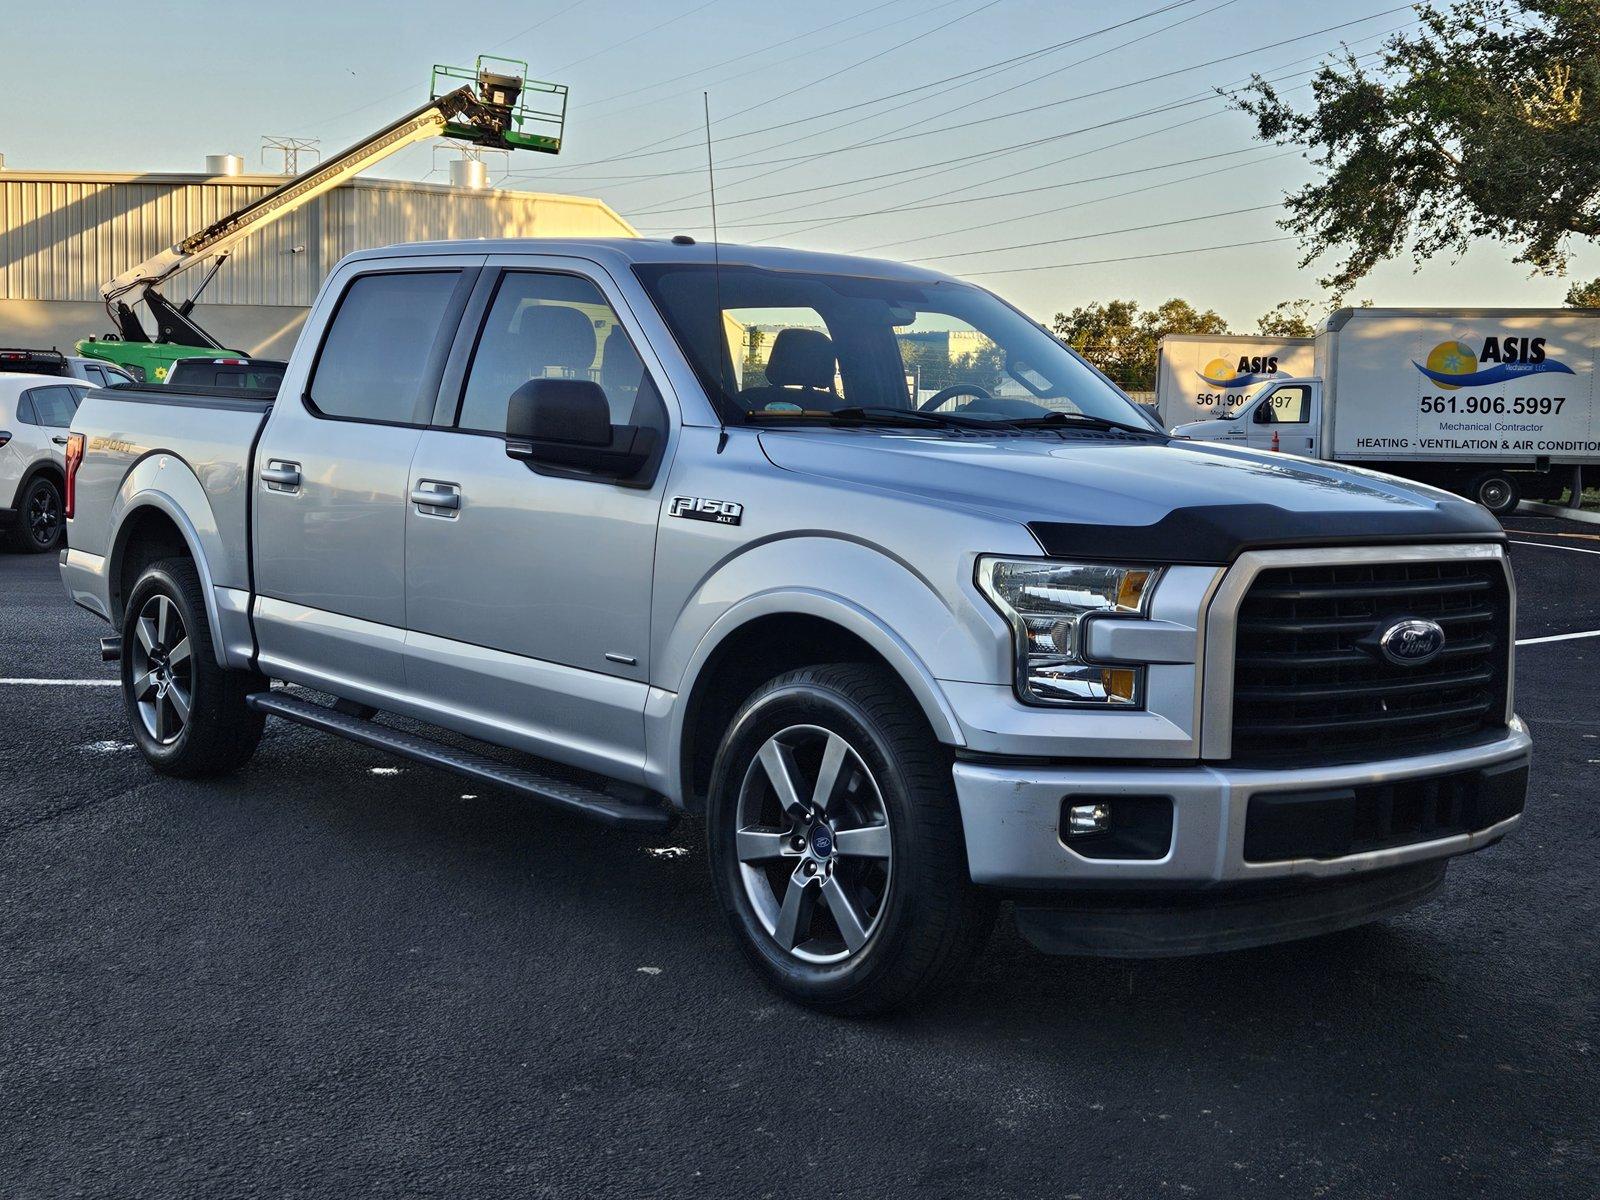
[
  {"x": 1498, "y": 491},
  {"x": 41, "y": 519},
  {"x": 216, "y": 731},
  {"x": 927, "y": 920}
]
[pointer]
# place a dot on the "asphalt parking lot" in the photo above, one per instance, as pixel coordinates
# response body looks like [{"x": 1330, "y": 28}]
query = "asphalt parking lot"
[{"x": 334, "y": 975}]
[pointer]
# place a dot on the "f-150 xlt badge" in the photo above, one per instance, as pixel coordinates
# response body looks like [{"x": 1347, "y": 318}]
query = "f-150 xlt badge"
[{"x": 697, "y": 508}]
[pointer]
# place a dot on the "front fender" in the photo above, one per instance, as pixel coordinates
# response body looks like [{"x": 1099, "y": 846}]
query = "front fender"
[{"x": 922, "y": 634}]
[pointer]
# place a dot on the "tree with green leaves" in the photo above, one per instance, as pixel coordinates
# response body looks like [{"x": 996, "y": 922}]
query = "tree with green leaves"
[
  {"x": 1584, "y": 295},
  {"x": 1482, "y": 123},
  {"x": 1289, "y": 319},
  {"x": 1121, "y": 340}
]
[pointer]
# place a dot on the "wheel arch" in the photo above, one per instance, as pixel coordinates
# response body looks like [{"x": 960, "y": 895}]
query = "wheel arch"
[
  {"x": 153, "y": 526},
  {"x": 765, "y": 636}
]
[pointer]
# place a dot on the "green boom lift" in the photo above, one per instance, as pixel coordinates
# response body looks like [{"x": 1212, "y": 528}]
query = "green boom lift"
[{"x": 493, "y": 104}]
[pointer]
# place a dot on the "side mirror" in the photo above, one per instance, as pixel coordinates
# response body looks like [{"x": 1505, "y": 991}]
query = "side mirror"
[
  {"x": 566, "y": 423},
  {"x": 1263, "y": 414}
]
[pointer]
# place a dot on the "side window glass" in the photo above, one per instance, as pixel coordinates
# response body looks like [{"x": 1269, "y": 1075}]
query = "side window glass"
[
  {"x": 375, "y": 354},
  {"x": 25, "y": 413},
  {"x": 54, "y": 406},
  {"x": 1289, "y": 406},
  {"x": 546, "y": 326}
]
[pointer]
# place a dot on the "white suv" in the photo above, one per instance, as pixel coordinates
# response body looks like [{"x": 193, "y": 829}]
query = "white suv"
[{"x": 35, "y": 411}]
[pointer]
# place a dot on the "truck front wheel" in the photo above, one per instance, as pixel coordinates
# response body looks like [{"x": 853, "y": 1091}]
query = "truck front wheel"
[
  {"x": 189, "y": 714},
  {"x": 836, "y": 845},
  {"x": 1495, "y": 490}
]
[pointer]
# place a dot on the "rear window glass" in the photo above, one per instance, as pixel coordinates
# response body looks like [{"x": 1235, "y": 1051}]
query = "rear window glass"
[
  {"x": 53, "y": 406},
  {"x": 375, "y": 357}
]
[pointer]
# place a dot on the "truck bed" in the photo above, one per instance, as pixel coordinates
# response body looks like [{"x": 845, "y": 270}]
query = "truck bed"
[{"x": 192, "y": 446}]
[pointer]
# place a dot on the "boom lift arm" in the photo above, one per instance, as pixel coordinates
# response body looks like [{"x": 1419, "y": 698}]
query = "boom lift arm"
[{"x": 487, "y": 111}]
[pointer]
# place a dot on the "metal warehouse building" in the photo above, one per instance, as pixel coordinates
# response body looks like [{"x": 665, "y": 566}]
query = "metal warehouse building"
[{"x": 65, "y": 233}]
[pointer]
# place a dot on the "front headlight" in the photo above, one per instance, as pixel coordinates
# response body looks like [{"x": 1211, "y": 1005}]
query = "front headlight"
[{"x": 1047, "y": 604}]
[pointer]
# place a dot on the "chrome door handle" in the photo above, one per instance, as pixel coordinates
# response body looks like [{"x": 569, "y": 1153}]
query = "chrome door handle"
[
  {"x": 60, "y": 441},
  {"x": 436, "y": 495},
  {"x": 281, "y": 476}
]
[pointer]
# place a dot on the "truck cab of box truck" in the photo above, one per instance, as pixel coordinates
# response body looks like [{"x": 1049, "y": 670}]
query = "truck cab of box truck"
[{"x": 1283, "y": 416}]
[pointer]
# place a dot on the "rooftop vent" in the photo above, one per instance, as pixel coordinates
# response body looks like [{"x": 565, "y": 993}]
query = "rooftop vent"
[
  {"x": 469, "y": 173},
  {"x": 224, "y": 164}
]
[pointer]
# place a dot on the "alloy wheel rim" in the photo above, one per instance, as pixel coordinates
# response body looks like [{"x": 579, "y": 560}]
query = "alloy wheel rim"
[
  {"x": 163, "y": 670},
  {"x": 813, "y": 843},
  {"x": 44, "y": 515}
]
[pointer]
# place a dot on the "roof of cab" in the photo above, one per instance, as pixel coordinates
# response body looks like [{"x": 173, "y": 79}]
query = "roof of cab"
[{"x": 624, "y": 252}]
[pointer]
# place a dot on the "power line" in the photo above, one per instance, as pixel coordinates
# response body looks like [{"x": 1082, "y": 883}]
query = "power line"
[
  {"x": 1032, "y": 81},
  {"x": 1005, "y": 195},
  {"x": 855, "y": 16},
  {"x": 1034, "y": 110},
  {"x": 984, "y": 70},
  {"x": 1051, "y": 212},
  {"x": 943, "y": 168},
  {"x": 634, "y": 38},
  {"x": 1084, "y": 237},
  {"x": 1097, "y": 262},
  {"x": 642, "y": 153}
]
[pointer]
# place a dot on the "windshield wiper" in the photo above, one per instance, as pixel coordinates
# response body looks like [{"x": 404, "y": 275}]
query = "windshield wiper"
[
  {"x": 910, "y": 418},
  {"x": 915, "y": 416},
  {"x": 1085, "y": 420}
]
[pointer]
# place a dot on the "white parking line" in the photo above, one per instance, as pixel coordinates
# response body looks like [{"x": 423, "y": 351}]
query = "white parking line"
[
  {"x": 1548, "y": 546},
  {"x": 1558, "y": 637},
  {"x": 62, "y": 682}
]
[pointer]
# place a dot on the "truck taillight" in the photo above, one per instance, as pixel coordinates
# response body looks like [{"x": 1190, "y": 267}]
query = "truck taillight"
[{"x": 74, "y": 461}]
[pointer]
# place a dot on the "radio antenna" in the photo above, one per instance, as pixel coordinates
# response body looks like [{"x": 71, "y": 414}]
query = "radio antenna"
[{"x": 724, "y": 351}]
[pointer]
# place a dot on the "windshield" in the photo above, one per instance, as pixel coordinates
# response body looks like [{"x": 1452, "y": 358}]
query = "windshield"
[{"x": 777, "y": 346}]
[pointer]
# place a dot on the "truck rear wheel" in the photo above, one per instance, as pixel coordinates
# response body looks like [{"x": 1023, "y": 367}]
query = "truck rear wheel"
[
  {"x": 836, "y": 845},
  {"x": 1495, "y": 490},
  {"x": 189, "y": 714}
]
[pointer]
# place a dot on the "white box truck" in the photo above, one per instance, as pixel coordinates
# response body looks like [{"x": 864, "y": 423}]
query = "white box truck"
[
  {"x": 1210, "y": 375},
  {"x": 1495, "y": 404}
]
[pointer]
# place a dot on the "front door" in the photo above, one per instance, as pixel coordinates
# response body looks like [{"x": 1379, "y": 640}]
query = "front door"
[
  {"x": 330, "y": 494},
  {"x": 1290, "y": 411},
  {"x": 528, "y": 589}
]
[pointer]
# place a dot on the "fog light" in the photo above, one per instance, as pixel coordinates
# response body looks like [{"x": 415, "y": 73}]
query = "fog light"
[{"x": 1084, "y": 819}]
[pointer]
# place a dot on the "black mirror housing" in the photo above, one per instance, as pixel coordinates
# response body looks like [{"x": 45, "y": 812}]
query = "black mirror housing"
[
  {"x": 1263, "y": 415},
  {"x": 566, "y": 424},
  {"x": 559, "y": 410}
]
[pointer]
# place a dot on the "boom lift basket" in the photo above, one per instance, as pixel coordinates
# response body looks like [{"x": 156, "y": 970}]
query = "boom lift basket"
[{"x": 513, "y": 111}]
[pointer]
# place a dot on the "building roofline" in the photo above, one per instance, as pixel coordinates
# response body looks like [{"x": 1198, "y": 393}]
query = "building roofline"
[{"x": 13, "y": 175}]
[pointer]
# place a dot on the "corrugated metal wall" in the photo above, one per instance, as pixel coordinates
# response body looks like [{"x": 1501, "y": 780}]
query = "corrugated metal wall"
[{"x": 62, "y": 237}]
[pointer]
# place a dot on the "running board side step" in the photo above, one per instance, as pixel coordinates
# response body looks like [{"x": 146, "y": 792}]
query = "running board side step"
[{"x": 525, "y": 781}]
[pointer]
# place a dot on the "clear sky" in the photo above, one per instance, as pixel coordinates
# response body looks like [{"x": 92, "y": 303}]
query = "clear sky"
[{"x": 828, "y": 133}]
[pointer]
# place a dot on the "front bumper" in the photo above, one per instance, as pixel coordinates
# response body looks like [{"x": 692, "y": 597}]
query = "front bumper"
[{"x": 1012, "y": 818}]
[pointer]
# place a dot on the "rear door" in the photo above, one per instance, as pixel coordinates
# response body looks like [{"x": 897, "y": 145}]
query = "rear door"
[
  {"x": 528, "y": 589},
  {"x": 332, "y": 465}
]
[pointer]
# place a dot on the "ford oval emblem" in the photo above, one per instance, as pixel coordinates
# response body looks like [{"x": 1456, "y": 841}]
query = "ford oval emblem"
[{"x": 1411, "y": 642}]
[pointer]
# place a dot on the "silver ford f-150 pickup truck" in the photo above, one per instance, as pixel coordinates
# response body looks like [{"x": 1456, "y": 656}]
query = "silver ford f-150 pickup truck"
[{"x": 853, "y": 559}]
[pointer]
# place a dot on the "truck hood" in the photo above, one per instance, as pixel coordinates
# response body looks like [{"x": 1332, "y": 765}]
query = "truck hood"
[{"x": 1136, "y": 499}]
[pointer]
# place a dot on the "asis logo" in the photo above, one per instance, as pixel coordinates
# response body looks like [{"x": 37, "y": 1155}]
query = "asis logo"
[
  {"x": 1247, "y": 371},
  {"x": 1454, "y": 365}
]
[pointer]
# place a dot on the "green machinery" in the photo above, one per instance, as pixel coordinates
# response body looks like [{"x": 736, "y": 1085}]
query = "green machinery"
[{"x": 493, "y": 104}]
